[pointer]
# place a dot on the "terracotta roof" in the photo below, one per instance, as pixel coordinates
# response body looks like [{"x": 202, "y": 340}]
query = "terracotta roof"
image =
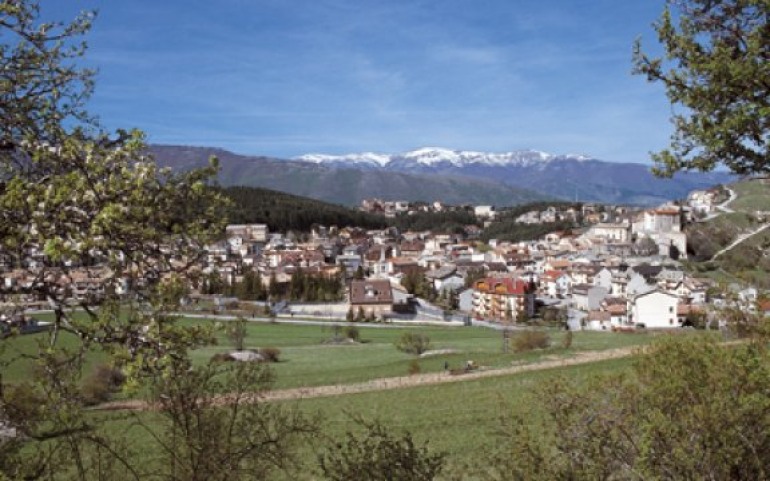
[
  {"x": 665, "y": 212},
  {"x": 764, "y": 305},
  {"x": 616, "y": 309},
  {"x": 371, "y": 292},
  {"x": 599, "y": 316},
  {"x": 552, "y": 275},
  {"x": 684, "y": 309},
  {"x": 502, "y": 285}
]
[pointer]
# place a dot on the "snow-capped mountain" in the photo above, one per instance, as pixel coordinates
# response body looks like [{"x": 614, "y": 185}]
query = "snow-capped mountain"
[
  {"x": 564, "y": 176},
  {"x": 436, "y": 156}
]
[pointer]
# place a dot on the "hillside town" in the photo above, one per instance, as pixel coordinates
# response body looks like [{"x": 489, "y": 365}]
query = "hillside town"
[{"x": 620, "y": 271}]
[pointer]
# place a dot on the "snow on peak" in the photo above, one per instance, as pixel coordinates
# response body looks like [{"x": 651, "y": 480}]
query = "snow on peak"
[
  {"x": 363, "y": 158},
  {"x": 429, "y": 156}
]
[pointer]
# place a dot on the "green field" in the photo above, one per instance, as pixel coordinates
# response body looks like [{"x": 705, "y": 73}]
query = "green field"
[
  {"x": 753, "y": 195},
  {"x": 309, "y": 359},
  {"x": 460, "y": 419}
]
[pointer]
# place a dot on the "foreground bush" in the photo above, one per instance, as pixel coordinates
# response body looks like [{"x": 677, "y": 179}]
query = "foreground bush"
[
  {"x": 529, "y": 340},
  {"x": 690, "y": 409},
  {"x": 411, "y": 343},
  {"x": 270, "y": 354},
  {"x": 379, "y": 455},
  {"x": 101, "y": 384}
]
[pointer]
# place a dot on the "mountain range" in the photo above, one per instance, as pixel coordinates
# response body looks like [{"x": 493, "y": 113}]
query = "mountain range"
[
  {"x": 567, "y": 177},
  {"x": 339, "y": 184},
  {"x": 450, "y": 176}
]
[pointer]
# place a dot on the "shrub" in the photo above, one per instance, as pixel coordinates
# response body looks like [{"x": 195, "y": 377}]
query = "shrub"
[
  {"x": 380, "y": 454},
  {"x": 413, "y": 343},
  {"x": 221, "y": 357},
  {"x": 414, "y": 367},
  {"x": 529, "y": 340},
  {"x": 270, "y": 354},
  {"x": 101, "y": 383},
  {"x": 566, "y": 343},
  {"x": 351, "y": 332}
]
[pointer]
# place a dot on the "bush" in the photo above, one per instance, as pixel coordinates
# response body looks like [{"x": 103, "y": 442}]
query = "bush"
[
  {"x": 413, "y": 343},
  {"x": 270, "y": 354},
  {"x": 529, "y": 340},
  {"x": 351, "y": 332},
  {"x": 606, "y": 427},
  {"x": 414, "y": 367},
  {"x": 566, "y": 343},
  {"x": 222, "y": 357},
  {"x": 99, "y": 386},
  {"x": 378, "y": 454}
]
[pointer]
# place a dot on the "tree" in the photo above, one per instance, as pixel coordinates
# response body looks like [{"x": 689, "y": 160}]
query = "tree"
[
  {"x": 359, "y": 274},
  {"x": 76, "y": 202},
  {"x": 41, "y": 85},
  {"x": 716, "y": 70},
  {"x": 411, "y": 343},
  {"x": 204, "y": 435},
  {"x": 377, "y": 454},
  {"x": 690, "y": 409},
  {"x": 237, "y": 333}
]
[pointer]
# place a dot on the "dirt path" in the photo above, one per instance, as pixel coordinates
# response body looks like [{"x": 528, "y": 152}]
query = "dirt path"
[{"x": 389, "y": 383}]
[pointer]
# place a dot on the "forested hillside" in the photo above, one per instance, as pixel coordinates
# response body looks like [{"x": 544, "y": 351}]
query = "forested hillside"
[{"x": 283, "y": 212}]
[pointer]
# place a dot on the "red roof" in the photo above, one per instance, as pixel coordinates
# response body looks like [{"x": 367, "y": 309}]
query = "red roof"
[
  {"x": 502, "y": 285},
  {"x": 552, "y": 275}
]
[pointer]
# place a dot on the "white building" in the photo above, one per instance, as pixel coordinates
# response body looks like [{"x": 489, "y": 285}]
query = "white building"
[
  {"x": 610, "y": 232},
  {"x": 485, "y": 212},
  {"x": 654, "y": 310}
]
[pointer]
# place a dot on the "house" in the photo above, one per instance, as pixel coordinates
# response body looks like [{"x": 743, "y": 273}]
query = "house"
[
  {"x": 654, "y": 309},
  {"x": 402, "y": 265},
  {"x": 598, "y": 321},
  {"x": 503, "y": 298},
  {"x": 373, "y": 296},
  {"x": 484, "y": 212},
  {"x": 610, "y": 232},
  {"x": 555, "y": 283},
  {"x": 603, "y": 278},
  {"x": 445, "y": 277},
  {"x": 247, "y": 232},
  {"x": 588, "y": 297},
  {"x": 618, "y": 309}
]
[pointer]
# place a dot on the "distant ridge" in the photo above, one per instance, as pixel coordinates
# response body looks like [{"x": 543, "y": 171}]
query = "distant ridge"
[
  {"x": 567, "y": 177},
  {"x": 343, "y": 185}
]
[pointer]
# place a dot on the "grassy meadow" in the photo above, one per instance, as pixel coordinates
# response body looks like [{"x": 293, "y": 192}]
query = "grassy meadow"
[
  {"x": 309, "y": 357},
  {"x": 753, "y": 195},
  {"x": 459, "y": 418}
]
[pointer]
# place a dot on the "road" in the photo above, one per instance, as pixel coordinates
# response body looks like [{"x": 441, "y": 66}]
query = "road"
[
  {"x": 741, "y": 239},
  {"x": 314, "y": 322},
  {"x": 722, "y": 208}
]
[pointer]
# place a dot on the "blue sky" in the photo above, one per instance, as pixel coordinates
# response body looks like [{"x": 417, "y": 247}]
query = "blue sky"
[{"x": 287, "y": 77}]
